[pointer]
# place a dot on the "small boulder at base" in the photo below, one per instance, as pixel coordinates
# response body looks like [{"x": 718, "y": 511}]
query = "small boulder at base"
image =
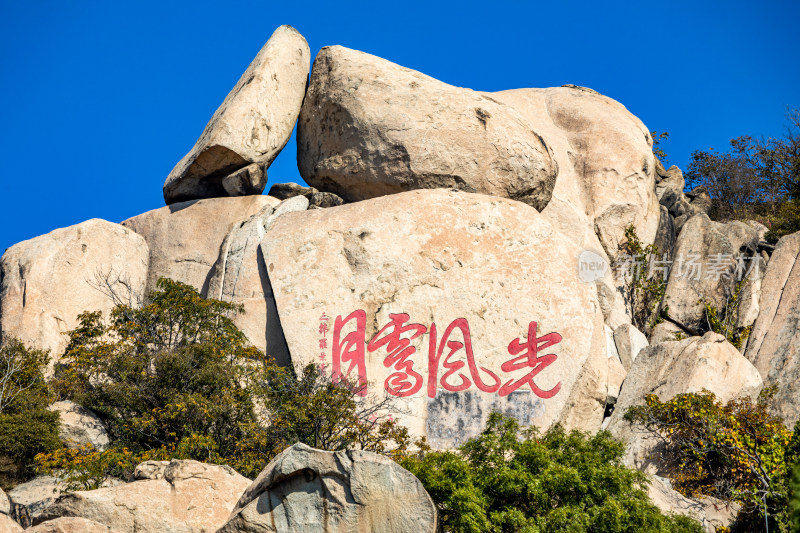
[
  {"x": 349, "y": 491},
  {"x": 45, "y": 282},
  {"x": 252, "y": 125},
  {"x": 670, "y": 368},
  {"x": 774, "y": 344},
  {"x": 185, "y": 238},
  {"x": 192, "y": 497},
  {"x": 369, "y": 127},
  {"x": 29, "y": 499},
  {"x": 468, "y": 281},
  {"x": 79, "y": 426}
]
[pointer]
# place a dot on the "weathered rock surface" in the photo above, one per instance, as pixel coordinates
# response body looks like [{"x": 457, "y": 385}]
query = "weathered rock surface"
[
  {"x": 79, "y": 426},
  {"x": 699, "y": 199},
  {"x": 185, "y": 238},
  {"x": 5, "y": 505},
  {"x": 669, "y": 189},
  {"x": 482, "y": 269},
  {"x": 666, "y": 369},
  {"x": 351, "y": 491},
  {"x": 370, "y": 128},
  {"x": 629, "y": 342},
  {"x": 774, "y": 344},
  {"x": 70, "y": 525},
  {"x": 28, "y": 500},
  {"x": 666, "y": 234},
  {"x": 706, "y": 266},
  {"x": 47, "y": 281},
  {"x": 710, "y": 512},
  {"x": 192, "y": 497},
  {"x": 9, "y": 525},
  {"x": 252, "y": 125},
  {"x": 240, "y": 276},
  {"x": 616, "y": 377},
  {"x": 606, "y": 167},
  {"x": 150, "y": 470}
]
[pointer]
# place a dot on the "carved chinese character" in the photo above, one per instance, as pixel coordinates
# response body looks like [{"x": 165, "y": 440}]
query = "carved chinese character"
[
  {"x": 453, "y": 366},
  {"x": 404, "y": 381},
  {"x": 350, "y": 349},
  {"x": 530, "y": 358}
]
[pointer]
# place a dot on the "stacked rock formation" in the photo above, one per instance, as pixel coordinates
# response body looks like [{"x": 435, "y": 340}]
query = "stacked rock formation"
[{"x": 448, "y": 222}]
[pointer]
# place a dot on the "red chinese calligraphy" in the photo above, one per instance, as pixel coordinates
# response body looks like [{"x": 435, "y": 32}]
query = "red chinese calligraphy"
[
  {"x": 404, "y": 381},
  {"x": 350, "y": 349},
  {"x": 453, "y": 366},
  {"x": 530, "y": 358},
  {"x": 452, "y": 355}
]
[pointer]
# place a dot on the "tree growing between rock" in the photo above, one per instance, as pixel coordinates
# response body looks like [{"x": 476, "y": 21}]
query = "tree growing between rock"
[
  {"x": 175, "y": 378},
  {"x": 754, "y": 179},
  {"x": 735, "y": 451}
]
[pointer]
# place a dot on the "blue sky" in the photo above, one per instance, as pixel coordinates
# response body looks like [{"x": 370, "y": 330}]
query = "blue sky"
[{"x": 101, "y": 99}]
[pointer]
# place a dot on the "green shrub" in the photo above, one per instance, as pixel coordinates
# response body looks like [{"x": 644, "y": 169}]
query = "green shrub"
[
  {"x": 27, "y": 428},
  {"x": 643, "y": 289},
  {"x": 177, "y": 379},
  {"x": 725, "y": 320},
  {"x": 513, "y": 480}
]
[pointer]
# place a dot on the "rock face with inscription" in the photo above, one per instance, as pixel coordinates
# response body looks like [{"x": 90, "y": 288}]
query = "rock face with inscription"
[
  {"x": 349, "y": 491},
  {"x": 370, "y": 128},
  {"x": 456, "y": 303},
  {"x": 250, "y": 128}
]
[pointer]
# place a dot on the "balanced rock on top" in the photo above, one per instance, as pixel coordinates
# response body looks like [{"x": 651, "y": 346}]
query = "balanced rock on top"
[
  {"x": 250, "y": 128},
  {"x": 369, "y": 127}
]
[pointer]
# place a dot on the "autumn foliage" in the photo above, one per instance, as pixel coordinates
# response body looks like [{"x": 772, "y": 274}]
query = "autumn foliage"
[{"x": 735, "y": 451}]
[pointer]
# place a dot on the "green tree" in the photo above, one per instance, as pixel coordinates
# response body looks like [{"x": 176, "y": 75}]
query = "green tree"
[
  {"x": 175, "y": 378},
  {"x": 513, "y": 480},
  {"x": 735, "y": 451},
  {"x": 27, "y": 427},
  {"x": 754, "y": 179}
]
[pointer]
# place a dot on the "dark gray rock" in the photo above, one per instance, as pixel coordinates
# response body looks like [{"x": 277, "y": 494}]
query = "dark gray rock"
[
  {"x": 325, "y": 199},
  {"x": 350, "y": 491},
  {"x": 284, "y": 191}
]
